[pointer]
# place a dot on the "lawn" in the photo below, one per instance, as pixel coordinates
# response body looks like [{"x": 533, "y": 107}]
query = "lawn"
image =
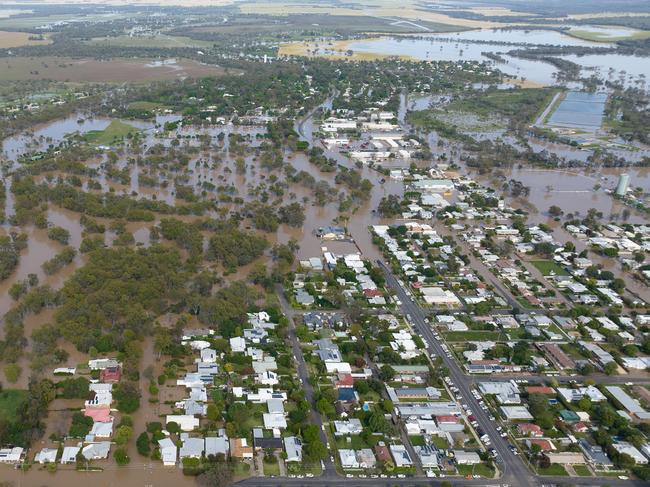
[
  {"x": 479, "y": 335},
  {"x": 115, "y": 132},
  {"x": 479, "y": 469},
  {"x": 10, "y": 402},
  {"x": 146, "y": 106},
  {"x": 555, "y": 470},
  {"x": 546, "y": 267},
  {"x": 272, "y": 468},
  {"x": 242, "y": 469},
  {"x": 439, "y": 442},
  {"x": 582, "y": 470},
  {"x": 417, "y": 440},
  {"x": 356, "y": 442}
]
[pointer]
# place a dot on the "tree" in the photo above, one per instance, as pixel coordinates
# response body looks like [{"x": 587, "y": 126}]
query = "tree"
[
  {"x": 611, "y": 368},
  {"x": 121, "y": 457},
  {"x": 217, "y": 474},
  {"x": 386, "y": 373},
  {"x": 127, "y": 396},
  {"x": 143, "y": 445},
  {"x": 12, "y": 373},
  {"x": 123, "y": 434},
  {"x": 555, "y": 211}
]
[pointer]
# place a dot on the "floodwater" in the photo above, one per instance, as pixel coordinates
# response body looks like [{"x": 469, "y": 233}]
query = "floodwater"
[
  {"x": 580, "y": 110},
  {"x": 473, "y": 45}
]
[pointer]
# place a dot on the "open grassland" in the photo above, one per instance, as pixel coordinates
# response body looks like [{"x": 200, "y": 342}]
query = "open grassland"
[
  {"x": 589, "y": 35},
  {"x": 17, "y": 39},
  {"x": 406, "y": 9},
  {"x": 95, "y": 71},
  {"x": 115, "y": 132},
  {"x": 155, "y": 41},
  {"x": 32, "y": 22}
]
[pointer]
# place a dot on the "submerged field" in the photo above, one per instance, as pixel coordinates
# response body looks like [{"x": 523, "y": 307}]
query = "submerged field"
[{"x": 92, "y": 70}]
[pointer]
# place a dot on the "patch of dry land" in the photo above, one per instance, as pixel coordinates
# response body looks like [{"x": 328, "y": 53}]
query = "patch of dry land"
[
  {"x": 405, "y": 9},
  {"x": 17, "y": 39},
  {"x": 336, "y": 50},
  {"x": 95, "y": 71}
]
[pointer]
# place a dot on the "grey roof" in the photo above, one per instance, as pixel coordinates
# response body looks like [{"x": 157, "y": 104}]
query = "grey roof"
[
  {"x": 216, "y": 444},
  {"x": 192, "y": 447},
  {"x": 96, "y": 450}
]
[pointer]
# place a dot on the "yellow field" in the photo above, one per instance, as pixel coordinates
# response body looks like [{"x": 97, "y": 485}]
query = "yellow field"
[
  {"x": 339, "y": 47},
  {"x": 17, "y": 39}
]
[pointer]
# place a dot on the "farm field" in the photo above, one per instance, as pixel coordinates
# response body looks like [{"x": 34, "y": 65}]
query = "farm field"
[
  {"x": 157, "y": 41},
  {"x": 91, "y": 70},
  {"x": 17, "y": 39}
]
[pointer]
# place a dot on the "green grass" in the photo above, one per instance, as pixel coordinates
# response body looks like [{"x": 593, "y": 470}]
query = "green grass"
[
  {"x": 439, "y": 442},
  {"x": 272, "y": 468},
  {"x": 417, "y": 440},
  {"x": 548, "y": 266},
  {"x": 147, "y": 106},
  {"x": 242, "y": 469},
  {"x": 356, "y": 442},
  {"x": 555, "y": 470},
  {"x": 582, "y": 470},
  {"x": 463, "y": 336},
  {"x": 10, "y": 402},
  {"x": 116, "y": 131},
  {"x": 479, "y": 469}
]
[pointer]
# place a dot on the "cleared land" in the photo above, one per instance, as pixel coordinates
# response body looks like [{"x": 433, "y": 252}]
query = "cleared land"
[
  {"x": 330, "y": 50},
  {"x": 115, "y": 132},
  {"x": 159, "y": 41},
  {"x": 17, "y": 39},
  {"x": 91, "y": 70},
  {"x": 595, "y": 36}
]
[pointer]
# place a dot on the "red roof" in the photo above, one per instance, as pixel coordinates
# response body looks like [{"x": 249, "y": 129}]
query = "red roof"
[
  {"x": 446, "y": 419},
  {"x": 580, "y": 426},
  {"x": 529, "y": 428},
  {"x": 372, "y": 293},
  {"x": 416, "y": 285},
  {"x": 545, "y": 445},
  {"x": 110, "y": 374},
  {"x": 345, "y": 381},
  {"x": 99, "y": 415}
]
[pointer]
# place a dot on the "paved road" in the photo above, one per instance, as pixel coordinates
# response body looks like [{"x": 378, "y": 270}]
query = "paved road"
[
  {"x": 513, "y": 469},
  {"x": 549, "y": 107},
  {"x": 303, "y": 374}
]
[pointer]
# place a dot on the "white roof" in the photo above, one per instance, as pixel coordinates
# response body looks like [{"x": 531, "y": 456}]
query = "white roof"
[
  {"x": 70, "y": 454},
  {"x": 168, "y": 451},
  {"x": 274, "y": 420},
  {"x": 46, "y": 455},
  {"x": 96, "y": 451}
]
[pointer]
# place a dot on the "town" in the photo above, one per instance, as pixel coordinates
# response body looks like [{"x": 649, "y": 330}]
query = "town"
[{"x": 270, "y": 245}]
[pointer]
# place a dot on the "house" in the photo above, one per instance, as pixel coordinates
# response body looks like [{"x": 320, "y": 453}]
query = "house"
[
  {"x": 99, "y": 414},
  {"x": 184, "y": 421},
  {"x": 293, "y": 448},
  {"x": 70, "y": 454},
  {"x": 401, "y": 456},
  {"x": 348, "y": 458},
  {"x": 208, "y": 355},
  {"x": 505, "y": 392},
  {"x": 96, "y": 451},
  {"x": 239, "y": 448},
  {"x": 366, "y": 458},
  {"x": 429, "y": 457},
  {"x": 274, "y": 420},
  {"x": 46, "y": 455},
  {"x": 11, "y": 455},
  {"x": 382, "y": 453},
  {"x": 594, "y": 454},
  {"x": 191, "y": 447},
  {"x": 624, "y": 447},
  {"x": 102, "y": 363},
  {"x": 102, "y": 429},
  {"x": 578, "y": 393},
  {"x": 110, "y": 374},
  {"x": 260, "y": 442},
  {"x": 516, "y": 413},
  {"x": 569, "y": 416},
  {"x": 237, "y": 344},
  {"x": 168, "y": 452},
  {"x": 530, "y": 429},
  {"x": 545, "y": 445},
  {"x": 463, "y": 457},
  {"x": 215, "y": 445},
  {"x": 350, "y": 427}
]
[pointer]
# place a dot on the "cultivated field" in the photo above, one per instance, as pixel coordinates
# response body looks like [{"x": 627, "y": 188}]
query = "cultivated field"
[
  {"x": 17, "y": 39},
  {"x": 159, "y": 41},
  {"x": 91, "y": 70}
]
